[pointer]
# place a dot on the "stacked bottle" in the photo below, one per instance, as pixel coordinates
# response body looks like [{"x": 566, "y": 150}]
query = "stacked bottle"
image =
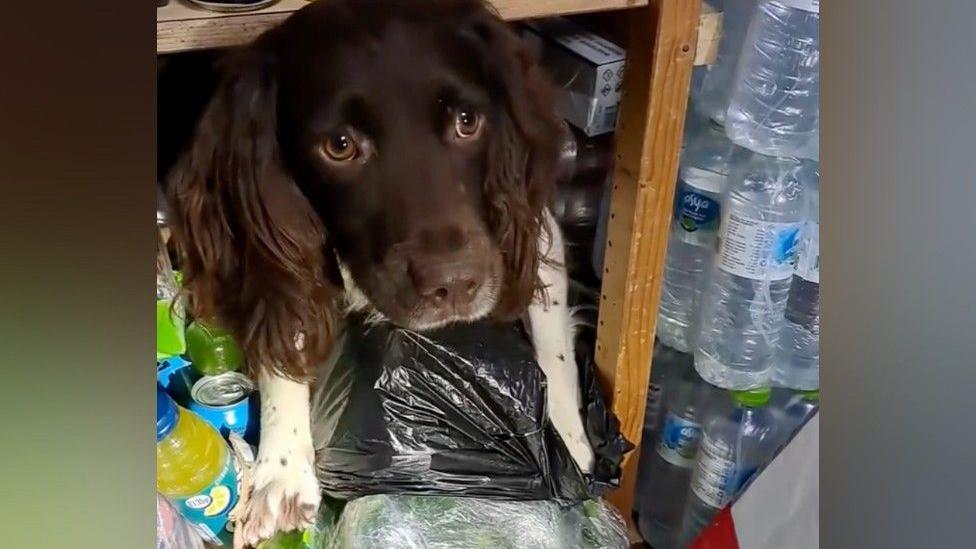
[
  {"x": 734, "y": 445},
  {"x": 740, "y": 294},
  {"x": 694, "y": 235},
  {"x": 665, "y": 469},
  {"x": 797, "y": 363},
  {"x": 758, "y": 312}
]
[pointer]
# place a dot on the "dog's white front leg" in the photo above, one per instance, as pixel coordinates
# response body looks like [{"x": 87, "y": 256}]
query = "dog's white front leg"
[
  {"x": 285, "y": 493},
  {"x": 552, "y": 338}
]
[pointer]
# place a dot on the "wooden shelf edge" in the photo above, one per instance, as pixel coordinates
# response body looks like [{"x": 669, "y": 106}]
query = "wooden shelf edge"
[{"x": 182, "y": 28}]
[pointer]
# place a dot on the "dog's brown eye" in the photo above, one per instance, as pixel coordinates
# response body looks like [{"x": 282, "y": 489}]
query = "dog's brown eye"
[
  {"x": 340, "y": 148},
  {"x": 467, "y": 124}
]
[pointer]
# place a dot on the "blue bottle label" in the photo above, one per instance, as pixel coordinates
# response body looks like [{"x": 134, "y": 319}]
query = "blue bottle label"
[
  {"x": 207, "y": 510},
  {"x": 679, "y": 440},
  {"x": 697, "y": 215}
]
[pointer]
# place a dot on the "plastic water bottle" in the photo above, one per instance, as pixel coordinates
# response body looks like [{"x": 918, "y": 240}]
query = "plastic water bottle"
[
  {"x": 797, "y": 363},
  {"x": 801, "y": 406},
  {"x": 694, "y": 235},
  {"x": 733, "y": 447},
  {"x": 712, "y": 98},
  {"x": 668, "y": 366},
  {"x": 666, "y": 469},
  {"x": 744, "y": 299},
  {"x": 774, "y": 107}
]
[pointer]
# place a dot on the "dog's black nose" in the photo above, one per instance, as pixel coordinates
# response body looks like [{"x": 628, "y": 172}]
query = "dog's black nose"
[{"x": 445, "y": 284}]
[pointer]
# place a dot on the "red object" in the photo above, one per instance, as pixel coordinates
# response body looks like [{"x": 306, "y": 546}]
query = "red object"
[
  {"x": 780, "y": 508},
  {"x": 720, "y": 535}
]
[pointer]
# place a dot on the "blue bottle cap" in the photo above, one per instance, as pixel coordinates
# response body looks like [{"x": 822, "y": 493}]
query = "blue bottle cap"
[{"x": 166, "y": 414}]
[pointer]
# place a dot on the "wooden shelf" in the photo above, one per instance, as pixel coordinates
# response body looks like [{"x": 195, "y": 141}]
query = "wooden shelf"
[{"x": 180, "y": 27}]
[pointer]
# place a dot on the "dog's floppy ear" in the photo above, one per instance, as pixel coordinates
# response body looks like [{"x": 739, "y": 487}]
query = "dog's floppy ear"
[
  {"x": 253, "y": 251},
  {"x": 523, "y": 153}
]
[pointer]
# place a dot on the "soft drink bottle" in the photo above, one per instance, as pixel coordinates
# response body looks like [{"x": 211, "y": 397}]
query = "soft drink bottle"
[
  {"x": 170, "y": 319},
  {"x": 734, "y": 445},
  {"x": 694, "y": 235},
  {"x": 744, "y": 299},
  {"x": 797, "y": 364},
  {"x": 775, "y": 104},
  {"x": 212, "y": 349},
  {"x": 194, "y": 469},
  {"x": 666, "y": 469}
]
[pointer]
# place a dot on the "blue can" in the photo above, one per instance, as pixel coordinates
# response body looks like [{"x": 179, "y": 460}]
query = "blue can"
[{"x": 228, "y": 401}]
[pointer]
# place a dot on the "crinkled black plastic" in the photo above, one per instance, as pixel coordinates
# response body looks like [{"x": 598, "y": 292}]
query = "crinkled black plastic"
[{"x": 457, "y": 411}]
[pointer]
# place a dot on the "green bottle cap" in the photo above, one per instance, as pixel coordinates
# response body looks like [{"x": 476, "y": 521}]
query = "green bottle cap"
[
  {"x": 752, "y": 397},
  {"x": 812, "y": 396}
]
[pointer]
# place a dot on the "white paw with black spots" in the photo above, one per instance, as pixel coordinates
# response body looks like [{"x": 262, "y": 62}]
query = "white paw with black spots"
[{"x": 284, "y": 495}]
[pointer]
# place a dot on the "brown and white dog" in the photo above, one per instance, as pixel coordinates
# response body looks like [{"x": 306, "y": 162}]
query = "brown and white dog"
[{"x": 389, "y": 156}]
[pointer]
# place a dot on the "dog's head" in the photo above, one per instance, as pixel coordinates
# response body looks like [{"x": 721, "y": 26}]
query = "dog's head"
[{"x": 414, "y": 142}]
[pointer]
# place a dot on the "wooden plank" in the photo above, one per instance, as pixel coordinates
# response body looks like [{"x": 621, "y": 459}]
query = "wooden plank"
[
  {"x": 660, "y": 53},
  {"x": 180, "y": 27}
]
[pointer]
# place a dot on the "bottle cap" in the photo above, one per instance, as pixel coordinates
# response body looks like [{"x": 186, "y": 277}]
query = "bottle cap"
[
  {"x": 812, "y": 396},
  {"x": 166, "y": 414},
  {"x": 752, "y": 397}
]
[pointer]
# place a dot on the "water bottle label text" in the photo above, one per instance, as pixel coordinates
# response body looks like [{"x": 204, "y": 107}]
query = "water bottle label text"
[
  {"x": 697, "y": 216},
  {"x": 758, "y": 250},
  {"x": 712, "y": 482}
]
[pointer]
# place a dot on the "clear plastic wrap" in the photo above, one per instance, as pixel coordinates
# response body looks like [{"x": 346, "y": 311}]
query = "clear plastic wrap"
[
  {"x": 774, "y": 108},
  {"x": 444, "y": 522},
  {"x": 798, "y": 359},
  {"x": 172, "y": 530}
]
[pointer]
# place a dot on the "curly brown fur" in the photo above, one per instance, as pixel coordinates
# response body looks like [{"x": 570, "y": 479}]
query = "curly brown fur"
[{"x": 262, "y": 222}]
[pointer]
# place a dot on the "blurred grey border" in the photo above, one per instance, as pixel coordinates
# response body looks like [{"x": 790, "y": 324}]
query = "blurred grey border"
[
  {"x": 77, "y": 110},
  {"x": 898, "y": 203}
]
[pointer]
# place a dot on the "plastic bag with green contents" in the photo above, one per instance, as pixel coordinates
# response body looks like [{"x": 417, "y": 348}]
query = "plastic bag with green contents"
[{"x": 444, "y": 522}]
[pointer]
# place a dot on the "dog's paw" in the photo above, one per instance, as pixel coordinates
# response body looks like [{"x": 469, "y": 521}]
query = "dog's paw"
[
  {"x": 284, "y": 496},
  {"x": 569, "y": 424}
]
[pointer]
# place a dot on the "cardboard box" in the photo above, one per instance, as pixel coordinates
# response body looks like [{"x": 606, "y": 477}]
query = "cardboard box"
[{"x": 587, "y": 67}]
